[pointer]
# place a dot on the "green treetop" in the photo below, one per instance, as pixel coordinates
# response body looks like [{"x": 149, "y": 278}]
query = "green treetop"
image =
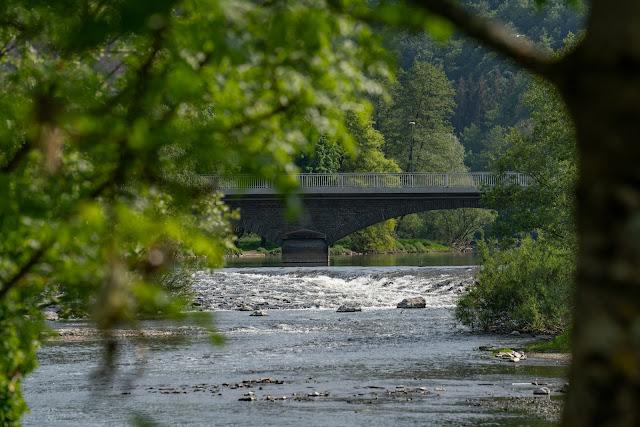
[{"x": 422, "y": 96}]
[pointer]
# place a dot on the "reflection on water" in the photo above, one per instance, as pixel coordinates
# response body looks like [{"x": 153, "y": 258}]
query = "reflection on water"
[
  {"x": 421, "y": 260},
  {"x": 439, "y": 259}
]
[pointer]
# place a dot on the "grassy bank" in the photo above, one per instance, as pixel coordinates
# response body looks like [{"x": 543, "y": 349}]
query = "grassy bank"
[
  {"x": 420, "y": 245},
  {"x": 559, "y": 344},
  {"x": 402, "y": 246},
  {"x": 252, "y": 244}
]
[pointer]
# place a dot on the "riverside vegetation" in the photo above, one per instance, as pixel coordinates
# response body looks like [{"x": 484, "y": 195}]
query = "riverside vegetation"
[{"x": 254, "y": 244}]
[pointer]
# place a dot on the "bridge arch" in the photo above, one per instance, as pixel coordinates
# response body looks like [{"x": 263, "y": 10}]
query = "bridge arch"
[
  {"x": 267, "y": 222},
  {"x": 336, "y": 205},
  {"x": 326, "y": 219},
  {"x": 398, "y": 209}
]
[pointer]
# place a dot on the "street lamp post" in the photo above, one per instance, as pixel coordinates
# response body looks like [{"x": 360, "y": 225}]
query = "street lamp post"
[{"x": 412, "y": 124}]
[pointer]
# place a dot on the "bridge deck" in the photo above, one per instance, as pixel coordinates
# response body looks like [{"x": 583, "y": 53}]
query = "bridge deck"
[{"x": 368, "y": 183}]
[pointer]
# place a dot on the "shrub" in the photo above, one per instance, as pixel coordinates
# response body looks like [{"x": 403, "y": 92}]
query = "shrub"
[{"x": 525, "y": 288}]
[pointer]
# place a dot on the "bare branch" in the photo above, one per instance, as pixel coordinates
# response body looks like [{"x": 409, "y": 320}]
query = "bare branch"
[{"x": 493, "y": 34}]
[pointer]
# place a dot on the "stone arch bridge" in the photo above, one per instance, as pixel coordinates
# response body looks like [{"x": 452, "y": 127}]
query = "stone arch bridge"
[{"x": 336, "y": 205}]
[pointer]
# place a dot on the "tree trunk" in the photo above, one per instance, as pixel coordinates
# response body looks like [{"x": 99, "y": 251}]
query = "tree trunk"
[{"x": 600, "y": 82}]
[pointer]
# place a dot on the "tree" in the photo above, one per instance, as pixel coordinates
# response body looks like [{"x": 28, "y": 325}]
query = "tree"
[
  {"x": 109, "y": 111},
  {"x": 325, "y": 158},
  {"x": 544, "y": 149},
  {"x": 368, "y": 157},
  {"x": 375, "y": 238},
  {"x": 456, "y": 227},
  {"x": 424, "y": 96},
  {"x": 525, "y": 282},
  {"x": 598, "y": 81}
]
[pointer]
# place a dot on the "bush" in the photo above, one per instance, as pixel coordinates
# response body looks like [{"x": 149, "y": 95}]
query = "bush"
[
  {"x": 526, "y": 288},
  {"x": 337, "y": 250},
  {"x": 375, "y": 238}
]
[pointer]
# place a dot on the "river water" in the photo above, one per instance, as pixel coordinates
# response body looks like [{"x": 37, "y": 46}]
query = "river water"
[{"x": 381, "y": 366}]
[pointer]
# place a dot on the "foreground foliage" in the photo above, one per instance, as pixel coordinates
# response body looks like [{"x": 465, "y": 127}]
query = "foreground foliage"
[{"x": 110, "y": 109}]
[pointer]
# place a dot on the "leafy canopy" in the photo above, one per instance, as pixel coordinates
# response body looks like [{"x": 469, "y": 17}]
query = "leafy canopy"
[
  {"x": 111, "y": 109},
  {"x": 526, "y": 279}
]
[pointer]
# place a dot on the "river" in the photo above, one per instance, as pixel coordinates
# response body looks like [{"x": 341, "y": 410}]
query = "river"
[{"x": 381, "y": 366}]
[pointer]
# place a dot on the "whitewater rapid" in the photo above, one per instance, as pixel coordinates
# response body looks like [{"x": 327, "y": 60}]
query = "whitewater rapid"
[{"x": 329, "y": 287}]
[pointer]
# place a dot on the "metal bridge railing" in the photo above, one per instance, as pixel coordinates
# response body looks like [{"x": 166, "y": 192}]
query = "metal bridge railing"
[{"x": 373, "y": 180}]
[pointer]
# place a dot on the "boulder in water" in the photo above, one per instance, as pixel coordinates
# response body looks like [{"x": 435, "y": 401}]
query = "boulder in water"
[
  {"x": 348, "y": 309},
  {"x": 413, "y": 302},
  {"x": 542, "y": 391},
  {"x": 259, "y": 313}
]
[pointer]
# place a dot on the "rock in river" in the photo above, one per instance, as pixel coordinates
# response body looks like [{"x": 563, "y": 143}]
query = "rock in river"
[
  {"x": 348, "y": 309},
  {"x": 542, "y": 391},
  {"x": 414, "y": 302},
  {"x": 259, "y": 313}
]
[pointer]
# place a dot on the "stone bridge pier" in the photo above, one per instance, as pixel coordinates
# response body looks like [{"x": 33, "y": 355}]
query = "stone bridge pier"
[{"x": 327, "y": 218}]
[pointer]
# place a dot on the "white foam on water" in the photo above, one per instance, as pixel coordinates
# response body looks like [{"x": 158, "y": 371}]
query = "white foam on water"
[{"x": 330, "y": 287}]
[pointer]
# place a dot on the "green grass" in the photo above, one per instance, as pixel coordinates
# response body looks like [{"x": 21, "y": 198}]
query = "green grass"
[
  {"x": 495, "y": 351},
  {"x": 420, "y": 245},
  {"x": 252, "y": 243},
  {"x": 559, "y": 344},
  {"x": 401, "y": 245},
  {"x": 337, "y": 250}
]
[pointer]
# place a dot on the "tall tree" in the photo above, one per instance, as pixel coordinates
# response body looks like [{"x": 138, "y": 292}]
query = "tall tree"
[
  {"x": 365, "y": 156},
  {"x": 527, "y": 268},
  {"x": 422, "y": 96}
]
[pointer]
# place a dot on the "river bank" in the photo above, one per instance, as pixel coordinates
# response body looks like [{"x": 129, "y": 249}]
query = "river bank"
[{"x": 254, "y": 246}]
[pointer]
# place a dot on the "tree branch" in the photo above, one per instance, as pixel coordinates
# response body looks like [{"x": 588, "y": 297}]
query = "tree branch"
[
  {"x": 18, "y": 156},
  {"x": 494, "y": 35},
  {"x": 37, "y": 255},
  {"x": 33, "y": 260}
]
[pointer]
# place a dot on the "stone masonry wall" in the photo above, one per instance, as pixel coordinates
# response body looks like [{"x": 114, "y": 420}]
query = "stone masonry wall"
[{"x": 338, "y": 216}]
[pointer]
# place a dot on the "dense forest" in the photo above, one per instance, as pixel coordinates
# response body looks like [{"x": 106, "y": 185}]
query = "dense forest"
[
  {"x": 465, "y": 102},
  {"x": 489, "y": 91}
]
